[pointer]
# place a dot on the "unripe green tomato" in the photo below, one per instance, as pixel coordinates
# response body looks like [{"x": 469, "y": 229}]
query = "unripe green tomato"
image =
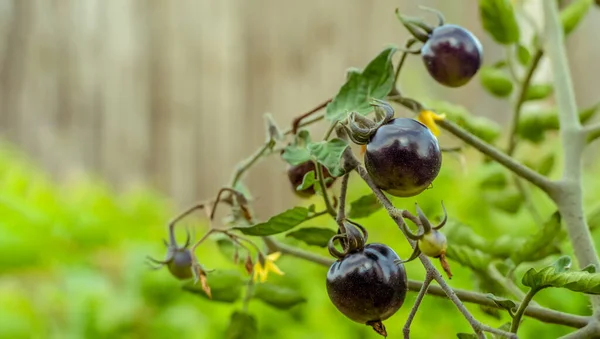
[{"x": 433, "y": 244}]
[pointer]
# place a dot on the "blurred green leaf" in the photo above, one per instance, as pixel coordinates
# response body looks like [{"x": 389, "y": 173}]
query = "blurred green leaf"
[
  {"x": 225, "y": 286},
  {"x": 538, "y": 91},
  {"x": 523, "y": 55},
  {"x": 276, "y": 224},
  {"x": 466, "y": 336},
  {"x": 279, "y": 297},
  {"x": 242, "y": 326},
  {"x": 315, "y": 236},
  {"x": 509, "y": 200},
  {"x": 499, "y": 20},
  {"x": 535, "y": 244},
  {"x": 297, "y": 153},
  {"x": 504, "y": 303},
  {"x": 593, "y": 218},
  {"x": 572, "y": 15},
  {"x": 329, "y": 154},
  {"x": 558, "y": 275},
  {"x": 505, "y": 327},
  {"x": 546, "y": 165},
  {"x": 533, "y": 124},
  {"x": 375, "y": 81},
  {"x": 308, "y": 181},
  {"x": 493, "y": 176},
  {"x": 495, "y": 81},
  {"x": 364, "y": 206},
  {"x": 468, "y": 257}
]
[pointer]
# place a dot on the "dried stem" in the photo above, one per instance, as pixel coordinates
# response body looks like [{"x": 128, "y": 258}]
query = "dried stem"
[{"x": 341, "y": 215}]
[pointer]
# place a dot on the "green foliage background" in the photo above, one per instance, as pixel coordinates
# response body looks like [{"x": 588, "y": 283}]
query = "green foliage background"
[{"x": 72, "y": 263}]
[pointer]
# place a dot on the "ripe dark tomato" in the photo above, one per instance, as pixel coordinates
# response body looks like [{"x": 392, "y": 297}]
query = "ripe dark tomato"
[
  {"x": 367, "y": 286},
  {"x": 403, "y": 157},
  {"x": 452, "y": 55},
  {"x": 297, "y": 173}
]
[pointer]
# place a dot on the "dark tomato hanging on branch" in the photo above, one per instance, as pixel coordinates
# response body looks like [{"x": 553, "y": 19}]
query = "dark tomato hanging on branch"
[
  {"x": 452, "y": 55},
  {"x": 403, "y": 157},
  {"x": 367, "y": 285}
]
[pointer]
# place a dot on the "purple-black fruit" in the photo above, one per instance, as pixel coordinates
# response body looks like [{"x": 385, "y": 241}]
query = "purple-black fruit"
[
  {"x": 296, "y": 175},
  {"x": 452, "y": 55},
  {"x": 403, "y": 157},
  {"x": 367, "y": 285}
]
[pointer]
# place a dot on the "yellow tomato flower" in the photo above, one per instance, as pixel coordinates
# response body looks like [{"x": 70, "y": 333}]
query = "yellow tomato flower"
[
  {"x": 428, "y": 118},
  {"x": 266, "y": 265}
]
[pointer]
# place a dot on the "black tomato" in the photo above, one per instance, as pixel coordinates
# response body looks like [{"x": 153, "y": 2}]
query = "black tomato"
[
  {"x": 367, "y": 286},
  {"x": 452, "y": 55},
  {"x": 296, "y": 175},
  {"x": 403, "y": 157}
]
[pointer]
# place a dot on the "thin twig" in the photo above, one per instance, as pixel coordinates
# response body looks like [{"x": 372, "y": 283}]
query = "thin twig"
[
  {"x": 418, "y": 300},
  {"x": 524, "y": 86},
  {"x": 246, "y": 164},
  {"x": 502, "y": 158}
]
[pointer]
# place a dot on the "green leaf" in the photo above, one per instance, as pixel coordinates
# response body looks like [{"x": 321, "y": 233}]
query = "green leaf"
[
  {"x": 242, "y": 326},
  {"x": 572, "y": 15},
  {"x": 308, "y": 181},
  {"x": 297, "y": 153},
  {"x": 493, "y": 176},
  {"x": 495, "y": 81},
  {"x": 329, "y": 154},
  {"x": 538, "y": 91},
  {"x": 364, "y": 206},
  {"x": 374, "y": 82},
  {"x": 504, "y": 303},
  {"x": 558, "y": 275},
  {"x": 279, "y": 297},
  {"x": 279, "y": 223},
  {"x": 466, "y": 336},
  {"x": 536, "y": 244},
  {"x": 591, "y": 268},
  {"x": 315, "y": 236},
  {"x": 523, "y": 55},
  {"x": 225, "y": 286},
  {"x": 469, "y": 257},
  {"x": 498, "y": 18}
]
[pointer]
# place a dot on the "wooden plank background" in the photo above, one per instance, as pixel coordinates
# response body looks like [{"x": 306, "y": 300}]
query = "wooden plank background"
[{"x": 171, "y": 93}]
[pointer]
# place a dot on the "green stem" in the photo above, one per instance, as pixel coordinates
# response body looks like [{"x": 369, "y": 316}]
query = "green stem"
[
  {"x": 249, "y": 295},
  {"x": 524, "y": 86},
  {"x": 246, "y": 164},
  {"x": 521, "y": 310},
  {"x": 568, "y": 194},
  {"x": 592, "y": 132}
]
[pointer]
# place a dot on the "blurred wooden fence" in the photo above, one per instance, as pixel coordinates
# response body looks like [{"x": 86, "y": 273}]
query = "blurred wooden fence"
[{"x": 172, "y": 92}]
